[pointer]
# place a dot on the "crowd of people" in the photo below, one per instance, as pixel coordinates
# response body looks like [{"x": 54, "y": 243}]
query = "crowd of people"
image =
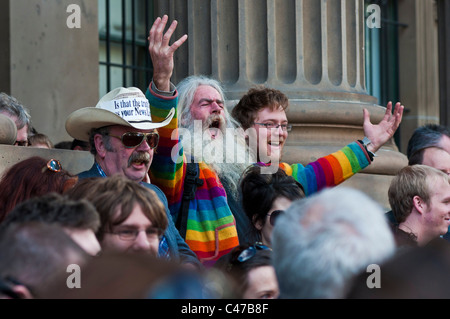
[{"x": 188, "y": 200}]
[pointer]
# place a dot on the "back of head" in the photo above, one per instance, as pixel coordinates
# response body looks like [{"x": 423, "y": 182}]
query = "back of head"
[
  {"x": 255, "y": 100},
  {"x": 323, "y": 241},
  {"x": 54, "y": 208},
  {"x": 418, "y": 273},
  {"x": 40, "y": 140},
  {"x": 33, "y": 254},
  {"x": 30, "y": 178},
  {"x": 423, "y": 137},
  {"x": 409, "y": 182}
]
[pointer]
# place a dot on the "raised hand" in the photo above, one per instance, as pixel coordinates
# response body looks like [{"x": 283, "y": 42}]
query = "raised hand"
[
  {"x": 162, "y": 53},
  {"x": 383, "y": 131}
]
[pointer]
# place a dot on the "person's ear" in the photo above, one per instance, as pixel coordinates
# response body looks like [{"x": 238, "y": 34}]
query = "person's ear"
[
  {"x": 100, "y": 145},
  {"x": 257, "y": 223},
  {"x": 419, "y": 204}
]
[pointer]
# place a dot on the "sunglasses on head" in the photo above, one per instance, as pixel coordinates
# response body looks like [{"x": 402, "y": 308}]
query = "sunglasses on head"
[
  {"x": 134, "y": 139},
  {"x": 241, "y": 254},
  {"x": 273, "y": 216}
]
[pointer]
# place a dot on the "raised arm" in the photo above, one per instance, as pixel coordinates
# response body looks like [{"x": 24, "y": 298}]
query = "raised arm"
[
  {"x": 164, "y": 171},
  {"x": 380, "y": 133},
  {"x": 161, "y": 52}
]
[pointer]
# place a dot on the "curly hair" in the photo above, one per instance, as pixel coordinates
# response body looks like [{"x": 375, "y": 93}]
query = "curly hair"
[{"x": 255, "y": 100}]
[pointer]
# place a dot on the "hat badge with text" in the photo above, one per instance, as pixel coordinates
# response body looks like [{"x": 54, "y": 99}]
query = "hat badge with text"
[{"x": 121, "y": 106}]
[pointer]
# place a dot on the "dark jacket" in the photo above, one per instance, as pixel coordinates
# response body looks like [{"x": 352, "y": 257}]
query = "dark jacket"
[{"x": 179, "y": 250}]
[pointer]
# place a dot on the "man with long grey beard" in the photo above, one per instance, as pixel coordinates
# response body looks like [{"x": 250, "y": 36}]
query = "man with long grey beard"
[
  {"x": 123, "y": 136},
  {"x": 212, "y": 222}
]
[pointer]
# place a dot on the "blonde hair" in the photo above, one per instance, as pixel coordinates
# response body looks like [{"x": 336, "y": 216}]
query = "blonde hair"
[{"x": 410, "y": 181}]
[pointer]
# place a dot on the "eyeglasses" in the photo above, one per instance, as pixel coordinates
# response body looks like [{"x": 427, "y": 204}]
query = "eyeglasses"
[
  {"x": 54, "y": 165},
  {"x": 249, "y": 252},
  {"x": 131, "y": 234},
  {"x": 273, "y": 216},
  {"x": 134, "y": 139},
  {"x": 284, "y": 127}
]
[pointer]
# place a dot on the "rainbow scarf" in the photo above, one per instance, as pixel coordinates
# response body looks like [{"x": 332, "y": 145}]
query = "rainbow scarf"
[{"x": 211, "y": 228}]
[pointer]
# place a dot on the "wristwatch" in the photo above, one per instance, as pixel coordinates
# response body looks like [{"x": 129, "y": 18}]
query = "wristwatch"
[{"x": 365, "y": 142}]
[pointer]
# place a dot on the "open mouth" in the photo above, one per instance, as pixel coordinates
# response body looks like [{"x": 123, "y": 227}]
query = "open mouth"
[
  {"x": 139, "y": 159},
  {"x": 215, "y": 124}
]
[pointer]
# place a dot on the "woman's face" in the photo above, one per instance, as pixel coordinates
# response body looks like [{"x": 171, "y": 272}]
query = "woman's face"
[
  {"x": 262, "y": 284},
  {"x": 280, "y": 203}
]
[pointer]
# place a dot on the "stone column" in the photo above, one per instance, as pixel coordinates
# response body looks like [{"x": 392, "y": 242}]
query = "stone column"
[
  {"x": 51, "y": 68},
  {"x": 312, "y": 50}
]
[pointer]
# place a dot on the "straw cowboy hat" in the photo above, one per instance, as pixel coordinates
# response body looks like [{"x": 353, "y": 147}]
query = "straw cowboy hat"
[
  {"x": 121, "y": 106},
  {"x": 8, "y": 130}
]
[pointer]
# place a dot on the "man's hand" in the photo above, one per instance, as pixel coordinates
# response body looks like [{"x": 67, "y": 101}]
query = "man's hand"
[
  {"x": 162, "y": 53},
  {"x": 383, "y": 131}
]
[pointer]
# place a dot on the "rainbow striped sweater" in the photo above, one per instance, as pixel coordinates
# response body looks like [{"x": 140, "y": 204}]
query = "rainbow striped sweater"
[
  {"x": 211, "y": 227},
  {"x": 330, "y": 170}
]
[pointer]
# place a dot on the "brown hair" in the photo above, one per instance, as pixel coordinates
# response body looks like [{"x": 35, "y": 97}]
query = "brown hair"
[
  {"x": 31, "y": 178},
  {"x": 40, "y": 139},
  {"x": 118, "y": 194},
  {"x": 255, "y": 100}
]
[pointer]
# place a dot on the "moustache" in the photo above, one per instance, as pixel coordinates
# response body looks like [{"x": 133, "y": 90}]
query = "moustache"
[
  {"x": 214, "y": 121},
  {"x": 139, "y": 157}
]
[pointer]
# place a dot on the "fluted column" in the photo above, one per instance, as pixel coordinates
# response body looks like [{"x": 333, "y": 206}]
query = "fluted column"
[{"x": 312, "y": 50}]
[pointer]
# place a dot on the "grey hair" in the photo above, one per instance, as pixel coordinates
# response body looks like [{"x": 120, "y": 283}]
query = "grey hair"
[
  {"x": 11, "y": 106},
  {"x": 323, "y": 241},
  {"x": 103, "y": 131},
  {"x": 186, "y": 92}
]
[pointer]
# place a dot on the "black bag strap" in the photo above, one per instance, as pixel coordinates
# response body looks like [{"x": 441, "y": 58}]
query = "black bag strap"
[{"x": 191, "y": 181}]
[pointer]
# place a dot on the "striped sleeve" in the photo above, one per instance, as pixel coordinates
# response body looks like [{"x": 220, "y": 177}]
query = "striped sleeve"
[
  {"x": 168, "y": 166},
  {"x": 330, "y": 170}
]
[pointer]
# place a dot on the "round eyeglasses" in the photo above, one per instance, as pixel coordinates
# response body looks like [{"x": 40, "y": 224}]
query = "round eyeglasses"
[
  {"x": 284, "y": 127},
  {"x": 131, "y": 234}
]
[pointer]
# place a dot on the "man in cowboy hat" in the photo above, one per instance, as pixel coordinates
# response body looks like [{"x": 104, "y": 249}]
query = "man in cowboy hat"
[{"x": 123, "y": 139}]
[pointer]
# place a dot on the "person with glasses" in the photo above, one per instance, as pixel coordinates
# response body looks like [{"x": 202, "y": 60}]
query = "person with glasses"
[
  {"x": 261, "y": 112},
  {"x": 12, "y": 108},
  {"x": 133, "y": 218},
  {"x": 123, "y": 137},
  {"x": 201, "y": 107},
  {"x": 250, "y": 269},
  {"x": 32, "y": 177},
  {"x": 265, "y": 197}
]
